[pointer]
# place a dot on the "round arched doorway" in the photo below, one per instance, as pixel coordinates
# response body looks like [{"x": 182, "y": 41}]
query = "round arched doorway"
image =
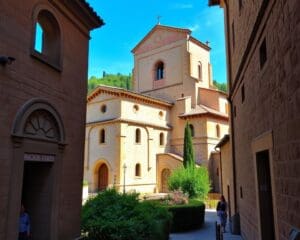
[
  {"x": 38, "y": 139},
  {"x": 102, "y": 177},
  {"x": 165, "y": 174}
]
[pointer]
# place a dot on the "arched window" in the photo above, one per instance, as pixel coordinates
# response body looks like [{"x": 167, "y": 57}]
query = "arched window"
[
  {"x": 218, "y": 130},
  {"x": 47, "y": 38},
  {"x": 159, "y": 71},
  {"x": 161, "y": 139},
  {"x": 137, "y": 135},
  {"x": 192, "y": 130},
  {"x": 102, "y": 136},
  {"x": 200, "y": 71},
  {"x": 138, "y": 170}
]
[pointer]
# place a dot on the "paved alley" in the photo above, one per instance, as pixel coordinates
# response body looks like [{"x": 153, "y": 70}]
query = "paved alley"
[{"x": 207, "y": 232}]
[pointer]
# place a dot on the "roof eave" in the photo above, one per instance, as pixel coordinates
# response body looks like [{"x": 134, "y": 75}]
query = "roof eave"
[
  {"x": 223, "y": 141},
  {"x": 207, "y": 114},
  {"x": 214, "y": 2},
  {"x": 85, "y": 13}
]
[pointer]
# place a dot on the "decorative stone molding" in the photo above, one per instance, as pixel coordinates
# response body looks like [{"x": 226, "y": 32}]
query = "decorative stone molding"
[{"x": 38, "y": 119}]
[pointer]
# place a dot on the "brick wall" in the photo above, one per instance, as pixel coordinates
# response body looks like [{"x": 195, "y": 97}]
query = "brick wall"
[
  {"x": 28, "y": 78},
  {"x": 272, "y": 103}
]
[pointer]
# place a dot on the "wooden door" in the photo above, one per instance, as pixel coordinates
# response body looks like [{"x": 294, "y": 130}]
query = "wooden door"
[
  {"x": 165, "y": 174},
  {"x": 102, "y": 177},
  {"x": 265, "y": 195}
]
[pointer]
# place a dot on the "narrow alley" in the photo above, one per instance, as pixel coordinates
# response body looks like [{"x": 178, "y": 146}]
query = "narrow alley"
[{"x": 207, "y": 232}]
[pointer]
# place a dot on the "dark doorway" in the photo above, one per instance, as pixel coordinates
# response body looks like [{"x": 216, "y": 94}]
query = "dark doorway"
[
  {"x": 102, "y": 177},
  {"x": 265, "y": 195},
  {"x": 37, "y": 197}
]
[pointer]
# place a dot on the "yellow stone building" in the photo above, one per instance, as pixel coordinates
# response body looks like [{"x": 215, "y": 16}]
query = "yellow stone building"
[{"x": 134, "y": 139}]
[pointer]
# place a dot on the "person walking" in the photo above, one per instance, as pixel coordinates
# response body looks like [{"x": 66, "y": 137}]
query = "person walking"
[
  {"x": 24, "y": 224},
  {"x": 222, "y": 212}
]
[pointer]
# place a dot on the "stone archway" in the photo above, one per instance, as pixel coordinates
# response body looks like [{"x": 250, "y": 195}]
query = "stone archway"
[
  {"x": 165, "y": 174},
  {"x": 102, "y": 177},
  {"x": 38, "y": 142}
]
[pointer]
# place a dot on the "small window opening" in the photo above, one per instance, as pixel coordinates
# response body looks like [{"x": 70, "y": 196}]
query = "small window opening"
[
  {"x": 161, "y": 114},
  {"x": 200, "y": 71},
  {"x": 137, "y": 135},
  {"x": 138, "y": 170},
  {"x": 102, "y": 136},
  {"x": 192, "y": 130},
  {"x": 38, "y": 45},
  {"x": 135, "y": 108},
  {"x": 263, "y": 53},
  {"x": 218, "y": 130},
  {"x": 159, "y": 70},
  {"x": 103, "y": 108},
  {"x": 161, "y": 139},
  {"x": 241, "y": 192}
]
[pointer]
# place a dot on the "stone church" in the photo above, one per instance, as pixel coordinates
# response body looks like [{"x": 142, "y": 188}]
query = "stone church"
[
  {"x": 42, "y": 117},
  {"x": 134, "y": 139}
]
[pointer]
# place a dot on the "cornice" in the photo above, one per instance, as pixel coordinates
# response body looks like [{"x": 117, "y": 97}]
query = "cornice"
[
  {"x": 128, "y": 121},
  {"x": 118, "y": 92}
]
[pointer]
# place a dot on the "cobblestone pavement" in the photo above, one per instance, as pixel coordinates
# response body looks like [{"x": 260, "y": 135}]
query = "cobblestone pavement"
[{"x": 207, "y": 232}]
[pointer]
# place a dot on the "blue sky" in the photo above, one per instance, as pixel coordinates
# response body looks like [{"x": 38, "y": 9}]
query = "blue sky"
[{"x": 127, "y": 22}]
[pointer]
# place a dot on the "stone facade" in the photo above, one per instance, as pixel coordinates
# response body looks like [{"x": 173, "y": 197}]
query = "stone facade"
[
  {"x": 263, "y": 55},
  {"x": 172, "y": 85},
  {"x": 42, "y": 101}
]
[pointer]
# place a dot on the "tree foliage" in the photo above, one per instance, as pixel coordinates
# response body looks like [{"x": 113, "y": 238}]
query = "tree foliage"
[
  {"x": 191, "y": 180},
  {"x": 220, "y": 86},
  {"x": 188, "y": 151},
  {"x": 115, "y": 80}
]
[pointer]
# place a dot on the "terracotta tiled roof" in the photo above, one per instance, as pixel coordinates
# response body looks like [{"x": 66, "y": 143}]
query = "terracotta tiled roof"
[
  {"x": 91, "y": 10},
  {"x": 203, "y": 110},
  {"x": 126, "y": 93},
  {"x": 224, "y": 140},
  {"x": 173, "y": 155}
]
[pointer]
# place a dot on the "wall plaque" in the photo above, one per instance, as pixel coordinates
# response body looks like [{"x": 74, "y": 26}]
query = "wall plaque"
[{"x": 36, "y": 157}]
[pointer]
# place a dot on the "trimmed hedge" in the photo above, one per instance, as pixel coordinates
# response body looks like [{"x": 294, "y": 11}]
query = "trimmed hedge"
[{"x": 188, "y": 216}]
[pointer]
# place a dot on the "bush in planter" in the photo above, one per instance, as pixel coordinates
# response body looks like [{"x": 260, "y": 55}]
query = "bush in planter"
[
  {"x": 115, "y": 216},
  {"x": 187, "y": 217}
]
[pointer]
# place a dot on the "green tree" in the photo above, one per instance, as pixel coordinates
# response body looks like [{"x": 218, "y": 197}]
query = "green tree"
[
  {"x": 188, "y": 151},
  {"x": 220, "y": 86},
  {"x": 114, "y": 80}
]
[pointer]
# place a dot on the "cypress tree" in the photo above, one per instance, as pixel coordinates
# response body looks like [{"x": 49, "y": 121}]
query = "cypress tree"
[{"x": 188, "y": 151}]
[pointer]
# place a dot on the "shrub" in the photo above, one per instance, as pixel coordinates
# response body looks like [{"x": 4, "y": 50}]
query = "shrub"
[
  {"x": 188, "y": 216},
  {"x": 193, "y": 181},
  {"x": 115, "y": 216}
]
